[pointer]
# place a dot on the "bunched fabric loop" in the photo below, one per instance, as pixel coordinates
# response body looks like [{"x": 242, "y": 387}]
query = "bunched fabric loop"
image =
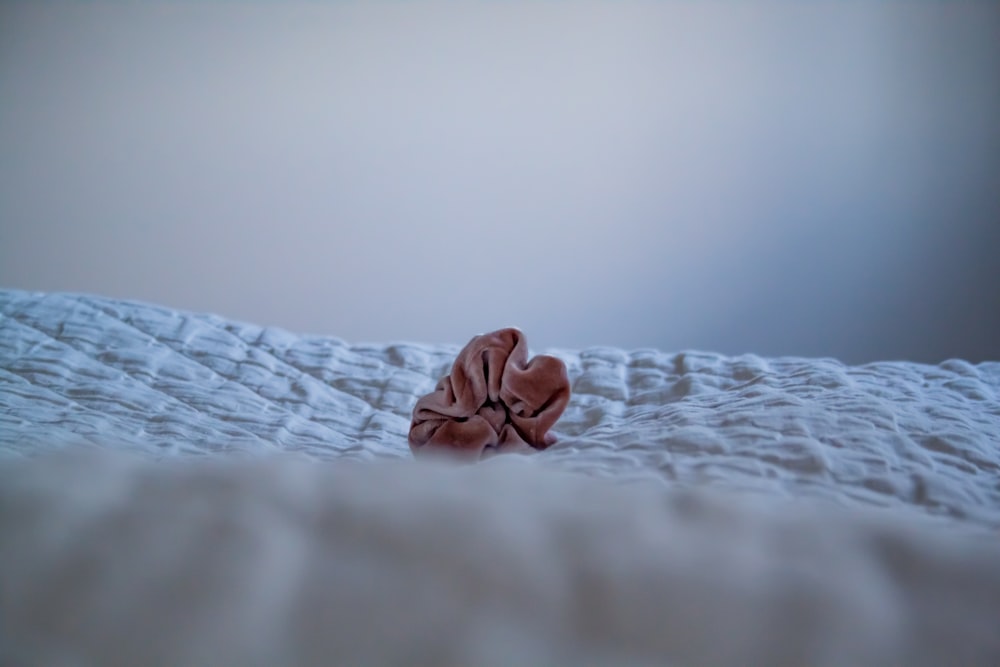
[{"x": 493, "y": 400}]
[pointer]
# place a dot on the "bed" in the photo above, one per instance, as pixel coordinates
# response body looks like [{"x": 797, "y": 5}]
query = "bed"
[{"x": 180, "y": 488}]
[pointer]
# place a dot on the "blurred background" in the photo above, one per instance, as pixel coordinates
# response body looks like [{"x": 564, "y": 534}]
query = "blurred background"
[{"x": 804, "y": 178}]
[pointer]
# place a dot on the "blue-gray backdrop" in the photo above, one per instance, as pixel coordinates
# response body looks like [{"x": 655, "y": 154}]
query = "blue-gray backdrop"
[{"x": 811, "y": 178}]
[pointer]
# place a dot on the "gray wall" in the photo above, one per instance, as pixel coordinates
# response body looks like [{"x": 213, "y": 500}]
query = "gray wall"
[{"x": 813, "y": 178}]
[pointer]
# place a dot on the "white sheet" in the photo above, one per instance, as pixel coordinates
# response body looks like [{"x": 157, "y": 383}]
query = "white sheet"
[
  {"x": 86, "y": 369},
  {"x": 292, "y": 562},
  {"x": 869, "y": 535}
]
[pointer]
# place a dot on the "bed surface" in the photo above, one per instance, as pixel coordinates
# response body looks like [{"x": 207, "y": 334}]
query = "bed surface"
[
  {"x": 178, "y": 488},
  {"x": 165, "y": 383}
]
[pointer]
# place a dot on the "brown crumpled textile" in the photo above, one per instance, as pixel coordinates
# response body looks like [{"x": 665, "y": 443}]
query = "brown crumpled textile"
[{"x": 494, "y": 400}]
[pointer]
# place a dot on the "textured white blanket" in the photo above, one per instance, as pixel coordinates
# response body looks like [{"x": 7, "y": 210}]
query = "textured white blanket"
[
  {"x": 84, "y": 369},
  {"x": 732, "y": 511}
]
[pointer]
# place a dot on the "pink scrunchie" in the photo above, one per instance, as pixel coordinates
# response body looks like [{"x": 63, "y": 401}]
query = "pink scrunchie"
[{"x": 494, "y": 400}]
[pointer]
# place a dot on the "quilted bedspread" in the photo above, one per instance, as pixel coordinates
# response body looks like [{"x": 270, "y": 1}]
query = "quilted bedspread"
[
  {"x": 82, "y": 369},
  {"x": 696, "y": 508}
]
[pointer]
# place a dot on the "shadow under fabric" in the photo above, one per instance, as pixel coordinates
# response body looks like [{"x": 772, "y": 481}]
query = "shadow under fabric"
[{"x": 494, "y": 400}]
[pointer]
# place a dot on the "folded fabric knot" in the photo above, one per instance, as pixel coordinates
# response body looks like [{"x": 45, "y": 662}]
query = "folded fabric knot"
[{"x": 494, "y": 400}]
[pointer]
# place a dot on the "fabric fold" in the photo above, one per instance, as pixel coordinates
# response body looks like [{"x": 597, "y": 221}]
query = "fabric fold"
[{"x": 494, "y": 400}]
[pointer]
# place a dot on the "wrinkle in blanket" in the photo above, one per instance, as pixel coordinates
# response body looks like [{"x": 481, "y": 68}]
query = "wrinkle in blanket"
[{"x": 494, "y": 400}]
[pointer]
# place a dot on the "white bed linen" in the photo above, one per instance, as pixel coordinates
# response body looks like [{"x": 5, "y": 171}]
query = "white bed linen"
[
  {"x": 734, "y": 510},
  {"x": 79, "y": 369},
  {"x": 283, "y": 561}
]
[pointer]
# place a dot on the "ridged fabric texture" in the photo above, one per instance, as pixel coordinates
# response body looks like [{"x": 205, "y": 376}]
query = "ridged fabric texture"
[{"x": 85, "y": 370}]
